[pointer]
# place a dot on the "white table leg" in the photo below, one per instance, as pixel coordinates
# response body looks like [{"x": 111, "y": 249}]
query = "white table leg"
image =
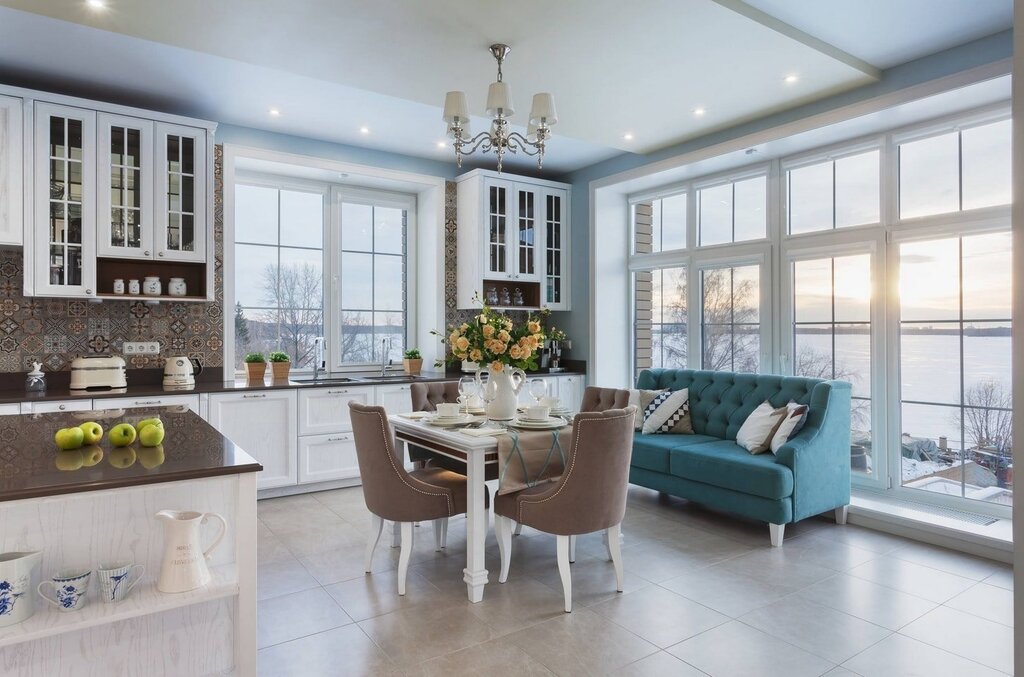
[{"x": 475, "y": 573}]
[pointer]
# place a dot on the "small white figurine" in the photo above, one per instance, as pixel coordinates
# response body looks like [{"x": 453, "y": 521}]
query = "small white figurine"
[{"x": 35, "y": 382}]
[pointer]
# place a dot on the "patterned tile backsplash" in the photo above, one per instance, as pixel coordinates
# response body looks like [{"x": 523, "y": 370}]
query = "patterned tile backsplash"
[{"x": 55, "y": 331}]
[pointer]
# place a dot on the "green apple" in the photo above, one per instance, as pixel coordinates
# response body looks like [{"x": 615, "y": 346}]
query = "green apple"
[
  {"x": 92, "y": 432},
  {"x": 92, "y": 455},
  {"x": 122, "y": 434},
  {"x": 151, "y": 457},
  {"x": 122, "y": 457},
  {"x": 69, "y": 460},
  {"x": 151, "y": 435},
  {"x": 69, "y": 438},
  {"x": 148, "y": 421}
]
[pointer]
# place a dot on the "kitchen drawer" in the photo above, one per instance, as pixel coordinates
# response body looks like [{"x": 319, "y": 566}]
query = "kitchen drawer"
[
  {"x": 190, "y": 401},
  {"x": 9, "y": 409},
  {"x": 327, "y": 457},
  {"x": 51, "y": 406},
  {"x": 325, "y": 410}
]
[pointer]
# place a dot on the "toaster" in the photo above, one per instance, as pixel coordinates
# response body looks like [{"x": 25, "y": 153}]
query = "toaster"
[{"x": 98, "y": 372}]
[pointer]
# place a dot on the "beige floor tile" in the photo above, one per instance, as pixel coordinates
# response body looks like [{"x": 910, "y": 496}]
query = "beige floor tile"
[
  {"x": 282, "y": 576},
  {"x": 947, "y": 560},
  {"x": 966, "y": 635},
  {"x": 858, "y": 597},
  {"x": 738, "y": 649},
  {"x": 912, "y": 578},
  {"x": 988, "y": 601},
  {"x": 900, "y": 656},
  {"x": 581, "y": 643},
  {"x": 303, "y": 541},
  {"x": 300, "y": 517},
  {"x": 860, "y": 537},
  {"x": 1002, "y": 578},
  {"x": 822, "y": 631},
  {"x": 820, "y": 550},
  {"x": 778, "y": 566},
  {"x": 269, "y": 547},
  {"x": 840, "y": 672},
  {"x": 411, "y": 636},
  {"x": 516, "y": 604},
  {"x": 296, "y": 615},
  {"x": 659, "y": 664},
  {"x": 346, "y": 563},
  {"x": 593, "y": 580},
  {"x": 494, "y": 657},
  {"x": 376, "y": 594},
  {"x": 658, "y": 615},
  {"x": 340, "y": 652},
  {"x": 725, "y": 591}
]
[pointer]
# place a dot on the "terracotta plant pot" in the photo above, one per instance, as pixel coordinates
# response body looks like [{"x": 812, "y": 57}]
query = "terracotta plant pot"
[
  {"x": 255, "y": 371},
  {"x": 280, "y": 370},
  {"x": 413, "y": 367}
]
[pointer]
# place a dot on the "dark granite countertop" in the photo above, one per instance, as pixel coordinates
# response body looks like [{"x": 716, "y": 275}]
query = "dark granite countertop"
[{"x": 32, "y": 466}]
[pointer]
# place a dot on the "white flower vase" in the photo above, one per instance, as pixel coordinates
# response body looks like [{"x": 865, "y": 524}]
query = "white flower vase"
[{"x": 506, "y": 385}]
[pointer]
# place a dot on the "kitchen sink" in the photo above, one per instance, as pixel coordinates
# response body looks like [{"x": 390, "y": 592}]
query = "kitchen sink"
[{"x": 327, "y": 380}]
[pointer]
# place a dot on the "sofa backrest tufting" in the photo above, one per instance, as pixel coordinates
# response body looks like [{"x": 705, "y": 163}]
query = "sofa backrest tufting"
[{"x": 720, "y": 401}]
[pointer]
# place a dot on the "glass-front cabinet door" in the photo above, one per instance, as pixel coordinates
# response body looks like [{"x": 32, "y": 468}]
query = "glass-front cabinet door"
[
  {"x": 64, "y": 202},
  {"x": 497, "y": 215},
  {"x": 11, "y": 149},
  {"x": 528, "y": 209},
  {"x": 556, "y": 251},
  {"x": 124, "y": 215},
  {"x": 181, "y": 175}
]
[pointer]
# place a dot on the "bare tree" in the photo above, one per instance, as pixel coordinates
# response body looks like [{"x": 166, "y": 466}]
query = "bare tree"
[
  {"x": 988, "y": 417},
  {"x": 814, "y": 363},
  {"x": 731, "y": 336},
  {"x": 294, "y": 295}
]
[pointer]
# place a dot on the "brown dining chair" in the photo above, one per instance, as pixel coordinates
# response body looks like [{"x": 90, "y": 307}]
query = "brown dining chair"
[
  {"x": 602, "y": 399},
  {"x": 426, "y": 396},
  {"x": 392, "y": 493},
  {"x": 590, "y": 495}
]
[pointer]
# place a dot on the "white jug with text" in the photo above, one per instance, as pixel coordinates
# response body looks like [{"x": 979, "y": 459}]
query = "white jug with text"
[{"x": 184, "y": 563}]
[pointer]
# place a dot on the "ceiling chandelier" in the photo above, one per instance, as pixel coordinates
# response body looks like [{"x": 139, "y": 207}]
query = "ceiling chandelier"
[{"x": 500, "y": 139}]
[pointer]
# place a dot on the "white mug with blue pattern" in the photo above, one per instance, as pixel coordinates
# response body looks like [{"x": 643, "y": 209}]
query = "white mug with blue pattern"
[
  {"x": 68, "y": 590},
  {"x": 117, "y": 580}
]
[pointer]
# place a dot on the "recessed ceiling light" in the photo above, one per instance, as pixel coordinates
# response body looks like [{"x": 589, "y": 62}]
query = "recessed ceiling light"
[
  {"x": 364, "y": 130},
  {"x": 274, "y": 112},
  {"x": 628, "y": 136},
  {"x": 96, "y": 4},
  {"x": 697, "y": 112},
  {"x": 441, "y": 144},
  {"x": 790, "y": 79}
]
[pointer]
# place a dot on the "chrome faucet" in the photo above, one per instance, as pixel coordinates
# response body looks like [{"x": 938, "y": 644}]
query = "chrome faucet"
[
  {"x": 319, "y": 363},
  {"x": 385, "y": 360}
]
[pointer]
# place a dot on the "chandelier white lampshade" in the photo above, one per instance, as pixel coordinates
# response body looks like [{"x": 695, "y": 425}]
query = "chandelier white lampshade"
[
  {"x": 543, "y": 109},
  {"x": 531, "y": 132},
  {"x": 456, "y": 109},
  {"x": 499, "y": 100}
]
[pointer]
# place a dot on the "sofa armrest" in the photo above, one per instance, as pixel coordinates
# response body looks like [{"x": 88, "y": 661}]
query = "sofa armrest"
[{"x": 819, "y": 455}]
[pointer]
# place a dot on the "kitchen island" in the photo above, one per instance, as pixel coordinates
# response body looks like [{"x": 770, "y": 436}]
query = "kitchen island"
[{"x": 95, "y": 506}]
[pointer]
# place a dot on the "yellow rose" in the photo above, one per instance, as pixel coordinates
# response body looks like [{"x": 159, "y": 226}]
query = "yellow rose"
[
  {"x": 475, "y": 355},
  {"x": 538, "y": 338},
  {"x": 453, "y": 337},
  {"x": 497, "y": 366},
  {"x": 482, "y": 318},
  {"x": 515, "y": 352},
  {"x": 488, "y": 331},
  {"x": 504, "y": 336},
  {"x": 464, "y": 328},
  {"x": 533, "y": 327},
  {"x": 499, "y": 348},
  {"x": 462, "y": 343}
]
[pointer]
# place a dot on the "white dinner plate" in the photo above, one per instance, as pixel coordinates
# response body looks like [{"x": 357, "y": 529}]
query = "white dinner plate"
[
  {"x": 451, "y": 420},
  {"x": 548, "y": 424}
]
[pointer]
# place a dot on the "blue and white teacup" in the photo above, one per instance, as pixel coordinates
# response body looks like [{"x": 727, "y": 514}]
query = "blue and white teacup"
[
  {"x": 68, "y": 590},
  {"x": 117, "y": 580}
]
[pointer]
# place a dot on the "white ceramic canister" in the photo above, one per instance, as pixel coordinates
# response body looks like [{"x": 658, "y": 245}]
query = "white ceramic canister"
[
  {"x": 176, "y": 287},
  {"x": 133, "y": 287},
  {"x": 118, "y": 286},
  {"x": 151, "y": 286}
]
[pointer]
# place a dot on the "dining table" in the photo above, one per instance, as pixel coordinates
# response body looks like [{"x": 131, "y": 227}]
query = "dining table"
[{"x": 476, "y": 452}]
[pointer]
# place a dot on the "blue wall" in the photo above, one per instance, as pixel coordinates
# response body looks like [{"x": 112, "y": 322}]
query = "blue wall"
[{"x": 577, "y": 322}]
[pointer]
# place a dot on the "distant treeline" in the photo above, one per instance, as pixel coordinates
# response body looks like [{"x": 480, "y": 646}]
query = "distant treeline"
[{"x": 908, "y": 329}]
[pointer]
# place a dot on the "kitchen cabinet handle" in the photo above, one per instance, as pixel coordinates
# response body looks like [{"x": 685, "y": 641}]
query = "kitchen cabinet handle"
[
  {"x": 140, "y": 403},
  {"x": 62, "y": 407},
  {"x": 245, "y": 397},
  {"x": 145, "y": 253},
  {"x": 342, "y": 438},
  {"x": 159, "y": 253},
  {"x": 88, "y": 291},
  {"x": 337, "y": 392}
]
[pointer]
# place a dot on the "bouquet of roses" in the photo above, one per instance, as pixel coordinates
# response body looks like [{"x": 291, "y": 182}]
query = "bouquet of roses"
[{"x": 494, "y": 339}]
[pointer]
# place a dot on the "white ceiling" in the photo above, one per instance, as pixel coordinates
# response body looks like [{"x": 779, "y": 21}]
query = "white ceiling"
[{"x": 333, "y": 66}]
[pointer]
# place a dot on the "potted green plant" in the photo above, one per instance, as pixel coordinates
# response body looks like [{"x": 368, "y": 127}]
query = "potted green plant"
[
  {"x": 255, "y": 367},
  {"x": 280, "y": 365},
  {"x": 412, "y": 361}
]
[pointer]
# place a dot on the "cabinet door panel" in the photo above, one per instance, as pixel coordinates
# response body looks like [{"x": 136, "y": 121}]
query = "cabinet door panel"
[
  {"x": 556, "y": 251},
  {"x": 12, "y": 227},
  {"x": 570, "y": 391},
  {"x": 395, "y": 399},
  {"x": 327, "y": 457},
  {"x": 181, "y": 177},
  {"x": 65, "y": 201},
  {"x": 124, "y": 214},
  {"x": 325, "y": 410},
  {"x": 497, "y": 209},
  {"x": 527, "y": 227},
  {"x": 262, "y": 425}
]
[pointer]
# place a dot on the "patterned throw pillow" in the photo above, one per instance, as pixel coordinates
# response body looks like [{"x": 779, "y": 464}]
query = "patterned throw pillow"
[
  {"x": 669, "y": 412},
  {"x": 640, "y": 399}
]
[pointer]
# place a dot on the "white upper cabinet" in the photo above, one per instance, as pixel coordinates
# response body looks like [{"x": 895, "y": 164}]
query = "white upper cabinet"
[
  {"x": 124, "y": 214},
  {"x": 64, "y": 204},
  {"x": 181, "y": 197},
  {"x": 11, "y": 171},
  {"x": 512, "y": 241}
]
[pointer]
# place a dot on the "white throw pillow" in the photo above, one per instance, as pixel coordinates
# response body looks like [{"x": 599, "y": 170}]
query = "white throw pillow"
[
  {"x": 669, "y": 412},
  {"x": 755, "y": 435},
  {"x": 796, "y": 416}
]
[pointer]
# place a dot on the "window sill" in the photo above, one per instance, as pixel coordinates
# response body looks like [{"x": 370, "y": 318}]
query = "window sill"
[{"x": 903, "y": 518}]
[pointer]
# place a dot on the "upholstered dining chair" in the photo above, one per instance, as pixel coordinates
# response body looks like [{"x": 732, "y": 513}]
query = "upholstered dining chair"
[
  {"x": 426, "y": 396},
  {"x": 392, "y": 493},
  {"x": 590, "y": 495},
  {"x": 602, "y": 399}
]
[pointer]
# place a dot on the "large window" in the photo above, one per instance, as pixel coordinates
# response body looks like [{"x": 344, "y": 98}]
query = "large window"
[
  {"x": 660, "y": 225},
  {"x": 955, "y": 366},
  {"x": 730, "y": 318},
  {"x": 312, "y": 260},
  {"x": 660, "y": 318},
  {"x": 733, "y": 212},
  {"x": 834, "y": 193}
]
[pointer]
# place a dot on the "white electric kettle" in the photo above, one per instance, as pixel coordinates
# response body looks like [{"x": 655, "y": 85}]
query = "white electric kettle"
[{"x": 180, "y": 372}]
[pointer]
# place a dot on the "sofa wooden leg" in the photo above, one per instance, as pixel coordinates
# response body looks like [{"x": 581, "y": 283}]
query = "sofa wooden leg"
[
  {"x": 841, "y": 514},
  {"x": 776, "y": 531}
]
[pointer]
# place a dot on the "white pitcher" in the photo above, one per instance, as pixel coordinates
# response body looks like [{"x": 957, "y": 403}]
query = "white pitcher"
[
  {"x": 184, "y": 563},
  {"x": 17, "y": 594},
  {"x": 506, "y": 385}
]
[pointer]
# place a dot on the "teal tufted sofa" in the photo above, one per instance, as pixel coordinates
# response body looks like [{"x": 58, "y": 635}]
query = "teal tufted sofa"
[{"x": 809, "y": 475}]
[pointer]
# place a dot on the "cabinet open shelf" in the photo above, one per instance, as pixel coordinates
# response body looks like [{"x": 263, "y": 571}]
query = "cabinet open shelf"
[
  {"x": 110, "y": 269},
  {"x": 151, "y": 299},
  {"x": 144, "y": 600}
]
